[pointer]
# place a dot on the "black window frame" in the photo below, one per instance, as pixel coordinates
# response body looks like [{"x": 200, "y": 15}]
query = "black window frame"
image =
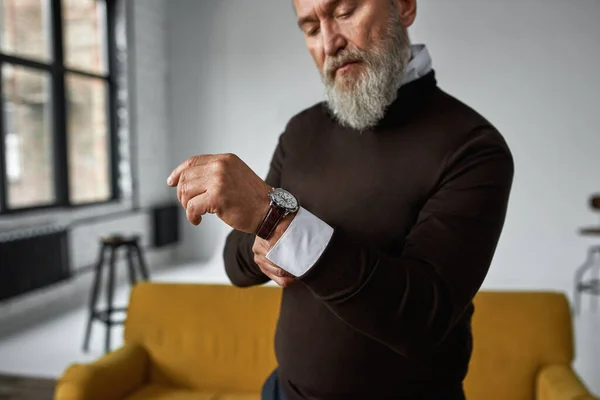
[{"x": 58, "y": 72}]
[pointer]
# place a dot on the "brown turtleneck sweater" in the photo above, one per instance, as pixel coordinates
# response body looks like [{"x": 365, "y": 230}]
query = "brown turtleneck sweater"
[{"x": 418, "y": 204}]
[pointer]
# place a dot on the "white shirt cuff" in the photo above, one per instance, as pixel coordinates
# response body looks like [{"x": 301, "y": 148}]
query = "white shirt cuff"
[{"x": 302, "y": 244}]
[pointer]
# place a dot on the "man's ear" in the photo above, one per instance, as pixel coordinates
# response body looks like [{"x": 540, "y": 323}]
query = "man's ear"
[{"x": 407, "y": 9}]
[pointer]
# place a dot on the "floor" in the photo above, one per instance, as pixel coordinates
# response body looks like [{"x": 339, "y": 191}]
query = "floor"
[
  {"x": 45, "y": 351},
  {"x": 20, "y": 388}
]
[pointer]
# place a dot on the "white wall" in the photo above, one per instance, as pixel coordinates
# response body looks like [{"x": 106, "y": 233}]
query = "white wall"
[
  {"x": 532, "y": 70},
  {"x": 237, "y": 76},
  {"x": 240, "y": 70},
  {"x": 149, "y": 113},
  {"x": 151, "y": 105}
]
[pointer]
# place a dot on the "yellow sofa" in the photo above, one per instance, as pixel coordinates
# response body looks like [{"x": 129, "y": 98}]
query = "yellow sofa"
[{"x": 215, "y": 342}]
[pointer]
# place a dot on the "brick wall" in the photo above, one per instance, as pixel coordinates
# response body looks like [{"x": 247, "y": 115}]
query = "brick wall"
[{"x": 151, "y": 110}]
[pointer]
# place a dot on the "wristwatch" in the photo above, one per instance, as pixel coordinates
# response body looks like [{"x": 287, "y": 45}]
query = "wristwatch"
[{"x": 282, "y": 204}]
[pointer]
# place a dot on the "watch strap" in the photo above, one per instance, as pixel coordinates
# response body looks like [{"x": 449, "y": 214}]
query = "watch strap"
[{"x": 270, "y": 222}]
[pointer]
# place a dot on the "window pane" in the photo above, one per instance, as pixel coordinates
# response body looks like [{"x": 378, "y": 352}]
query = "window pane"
[
  {"x": 28, "y": 137},
  {"x": 85, "y": 33},
  {"x": 89, "y": 158},
  {"x": 26, "y": 28}
]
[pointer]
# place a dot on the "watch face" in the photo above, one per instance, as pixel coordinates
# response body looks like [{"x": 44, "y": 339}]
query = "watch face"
[{"x": 285, "y": 199}]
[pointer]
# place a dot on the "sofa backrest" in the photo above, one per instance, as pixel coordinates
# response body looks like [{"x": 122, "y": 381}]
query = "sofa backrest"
[
  {"x": 514, "y": 335},
  {"x": 205, "y": 337},
  {"x": 221, "y": 338}
]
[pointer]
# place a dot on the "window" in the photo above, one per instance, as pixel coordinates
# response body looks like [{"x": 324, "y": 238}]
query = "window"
[{"x": 57, "y": 119}]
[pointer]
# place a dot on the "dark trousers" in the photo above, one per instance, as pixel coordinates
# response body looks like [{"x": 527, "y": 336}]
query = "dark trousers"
[{"x": 272, "y": 389}]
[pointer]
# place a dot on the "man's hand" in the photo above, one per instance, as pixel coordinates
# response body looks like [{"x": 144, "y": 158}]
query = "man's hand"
[
  {"x": 224, "y": 185},
  {"x": 276, "y": 274}
]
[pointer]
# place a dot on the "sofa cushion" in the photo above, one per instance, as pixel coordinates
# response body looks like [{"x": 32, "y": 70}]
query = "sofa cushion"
[
  {"x": 216, "y": 338},
  {"x": 515, "y": 335},
  {"x": 158, "y": 392}
]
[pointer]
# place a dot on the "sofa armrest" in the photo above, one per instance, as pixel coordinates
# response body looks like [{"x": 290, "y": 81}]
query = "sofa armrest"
[
  {"x": 560, "y": 382},
  {"x": 113, "y": 377}
]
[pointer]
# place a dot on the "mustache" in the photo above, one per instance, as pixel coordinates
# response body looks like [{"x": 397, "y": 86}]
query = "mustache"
[{"x": 332, "y": 63}]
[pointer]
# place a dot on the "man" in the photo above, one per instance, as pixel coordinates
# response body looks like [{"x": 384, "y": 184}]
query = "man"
[{"x": 389, "y": 201}]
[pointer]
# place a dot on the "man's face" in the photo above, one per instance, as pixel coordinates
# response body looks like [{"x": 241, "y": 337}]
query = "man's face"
[{"x": 361, "y": 48}]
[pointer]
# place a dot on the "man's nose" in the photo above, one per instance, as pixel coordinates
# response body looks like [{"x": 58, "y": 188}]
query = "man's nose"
[{"x": 333, "y": 40}]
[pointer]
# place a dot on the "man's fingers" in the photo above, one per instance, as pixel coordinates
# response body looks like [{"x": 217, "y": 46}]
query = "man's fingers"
[
  {"x": 260, "y": 246},
  {"x": 272, "y": 271},
  {"x": 269, "y": 268},
  {"x": 283, "y": 282},
  {"x": 276, "y": 274},
  {"x": 190, "y": 188},
  {"x": 173, "y": 179},
  {"x": 196, "y": 208},
  {"x": 282, "y": 279}
]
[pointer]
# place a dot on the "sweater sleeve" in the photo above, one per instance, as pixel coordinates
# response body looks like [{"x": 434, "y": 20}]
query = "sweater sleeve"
[
  {"x": 412, "y": 301},
  {"x": 237, "y": 253}
]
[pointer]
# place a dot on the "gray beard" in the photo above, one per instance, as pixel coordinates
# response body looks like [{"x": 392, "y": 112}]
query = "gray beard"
[{"x": 360, "y": 101}]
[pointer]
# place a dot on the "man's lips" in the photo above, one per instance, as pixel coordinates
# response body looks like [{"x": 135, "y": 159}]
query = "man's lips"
[{"x": 344, "y": 67}]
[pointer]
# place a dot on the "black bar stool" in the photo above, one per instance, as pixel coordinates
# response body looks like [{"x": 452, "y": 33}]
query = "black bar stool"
[
  {"x": 113, "y": 244},
  {"x": 591, "y": 266}
]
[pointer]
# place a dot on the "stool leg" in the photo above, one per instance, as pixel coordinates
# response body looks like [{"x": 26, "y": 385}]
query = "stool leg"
[
  {"x": 578, "y": 278},
  {"x": 131, "y": 267},
  {"x": 94, "y": 298},
  {"x": 110, "y": 293},
  {"x": 142, "y": 262},
  {"x": 594, "y": 276}
]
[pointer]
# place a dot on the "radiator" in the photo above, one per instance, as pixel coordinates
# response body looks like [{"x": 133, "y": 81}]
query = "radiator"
[{"x": 32, "y": 259}]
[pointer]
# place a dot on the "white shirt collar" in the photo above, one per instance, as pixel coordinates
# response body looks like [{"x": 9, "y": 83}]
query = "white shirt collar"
[{"x": 419, "y": 65}]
